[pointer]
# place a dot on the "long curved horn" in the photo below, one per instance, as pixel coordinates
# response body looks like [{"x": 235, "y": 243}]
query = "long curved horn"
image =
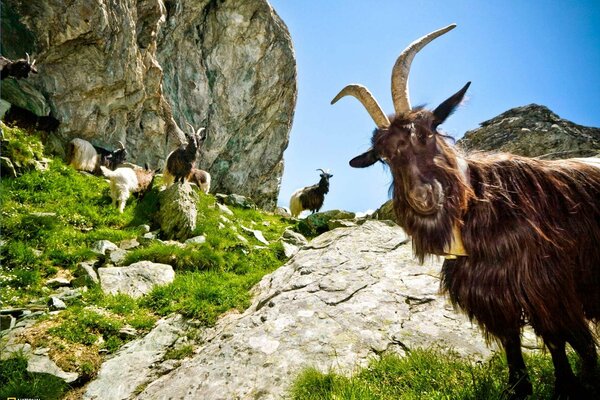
[
  {"x": 121, "y": 144},
  {"x": 191, "y": 127},
  {"x": 402, "y": 69},
  {"x": 27, "y": 54},
  {"x": 368, "y": 101}
]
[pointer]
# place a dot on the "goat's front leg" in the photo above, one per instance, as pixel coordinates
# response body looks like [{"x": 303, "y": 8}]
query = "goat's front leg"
[{"x": 518, "y": 378}]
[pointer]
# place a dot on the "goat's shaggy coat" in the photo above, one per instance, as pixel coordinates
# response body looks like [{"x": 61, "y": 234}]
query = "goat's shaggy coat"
[
  {"x": 125, "y": 181},
  {"x": 521, "y": 236},
  {"x": 83, "y": 156}
]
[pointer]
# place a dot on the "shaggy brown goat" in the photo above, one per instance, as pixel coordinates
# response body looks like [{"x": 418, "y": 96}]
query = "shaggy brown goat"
[
  {"x": 19, "y": 69},
  {"x": 520, "y": 235},
  {"x": 181, "y": 160}
]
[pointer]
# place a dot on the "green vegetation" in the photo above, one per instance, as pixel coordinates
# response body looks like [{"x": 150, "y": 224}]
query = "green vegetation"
[
  {"x": 17, "y": 382},
  {"x": 49, "y": 221},
  {"x": 423, "y": 374}
]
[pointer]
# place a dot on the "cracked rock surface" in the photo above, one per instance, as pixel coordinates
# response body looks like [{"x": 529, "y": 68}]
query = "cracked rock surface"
[{"x": 344, "y": 298}]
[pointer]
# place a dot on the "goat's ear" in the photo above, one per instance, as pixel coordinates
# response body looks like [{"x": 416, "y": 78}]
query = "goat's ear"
[
  {"x": 445, "y": 109},
  {"x": 366, "y": 159}
]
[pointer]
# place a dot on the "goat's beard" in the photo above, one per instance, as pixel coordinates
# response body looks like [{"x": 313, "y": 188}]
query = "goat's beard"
[{"x": 431, "y": 233}]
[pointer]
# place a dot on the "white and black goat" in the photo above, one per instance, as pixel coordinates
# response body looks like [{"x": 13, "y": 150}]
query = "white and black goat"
[
  {"x": 181, "y": 160},
  {"x": 83, "y": 156},
  {"x": 18, "y": 69},
  {"x": 310, "y": 197},
  {"x": 124, "y": 181},
  {"x": 201, "y": 178}
]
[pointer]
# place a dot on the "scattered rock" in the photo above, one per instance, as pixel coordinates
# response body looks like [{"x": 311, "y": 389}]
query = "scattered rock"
[
  {"x": 7, "y": 167},
  {"x": 294, "y": 237},
  {"x": 103, "y": 246},
  {"x": 54, "y": 304},
  {"x": 58, "y": 282},
  {"x": 282, "y": 212},
  {"x": 43, "y": 364},
  {"x": 235, "y": 200},
  {"x": 196, "y": 240},
  {"x": 86, "y": 274},
  {"x": 318, "y": 223},
  {"x": 135, "y": 280},
  {"x": 289, "y": 249},
  {"x": 224, "y": 209},
  {"x": 257, "y": 234},
  {"x": 117, "y": 257},
  {"x": 129, "y": 244}
]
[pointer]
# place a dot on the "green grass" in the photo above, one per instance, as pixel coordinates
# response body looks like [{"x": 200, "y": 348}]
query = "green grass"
[
  {"x": 423, "y": 374},
  {"x": 15, "y": 381}
]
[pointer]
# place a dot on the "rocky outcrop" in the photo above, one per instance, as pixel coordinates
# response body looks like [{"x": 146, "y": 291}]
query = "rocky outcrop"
[
  {"x": 347, "y": 296},
  {"x": 532, "y": 131},
  {"x": 178, "y": 211},
  {"x": 136, "y": 70}
]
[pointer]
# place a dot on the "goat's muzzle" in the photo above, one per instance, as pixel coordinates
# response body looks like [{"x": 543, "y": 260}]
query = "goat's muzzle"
[{"x": 426, "y": 199}]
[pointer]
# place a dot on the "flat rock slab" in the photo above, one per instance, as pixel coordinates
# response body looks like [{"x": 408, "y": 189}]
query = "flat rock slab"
[
  {"x": 131, "y": 367},
  {"x": 136, "y": 279},
  {"x": 345, "y": 297}
]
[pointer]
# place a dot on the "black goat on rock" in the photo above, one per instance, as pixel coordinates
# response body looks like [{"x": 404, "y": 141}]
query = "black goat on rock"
[
  {"x": 310, "y": 197},
  {"x": 181, "y": 160}
]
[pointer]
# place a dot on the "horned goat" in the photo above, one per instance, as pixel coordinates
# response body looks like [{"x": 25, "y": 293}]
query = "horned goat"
[
  {"x": 18, "y": 69},
  {"x": 125, "y": 181},
  {"x": 181, "y": 160},
  {"x": 201, "y": 178},
  {"x": 84, "y": 156},
  {"x": 310, "y": 197},
  {"x": 520, "y": 235}
]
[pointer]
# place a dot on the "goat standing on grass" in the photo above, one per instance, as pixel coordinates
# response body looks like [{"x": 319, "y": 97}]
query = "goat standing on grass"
[
  {"x": 83, "y": 156},
  {"x": 520, "y": 235},
  {"x": 181, "y": 160},
  {"x": 124, "y": 181},
  {"x": 18, "y": 69},
  {"x": 310, "y": 197}
]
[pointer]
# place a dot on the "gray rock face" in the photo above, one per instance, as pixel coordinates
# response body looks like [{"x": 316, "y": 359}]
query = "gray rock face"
[
  {"x": 136, "y": 70},
  {"x": 346, "y": 296},
  {"x": 136, "y": 279},
  {"x": 533, "y": 131},
  {"x": 178, "y": 211},
  {"x": 120, "y": 376}
]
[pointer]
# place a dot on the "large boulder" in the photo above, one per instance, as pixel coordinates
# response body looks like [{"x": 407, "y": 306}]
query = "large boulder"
[
  {"x": 178, "y": 211},
  {"x": 344, "y": 298},
  {"x": 136, "y": 70}
]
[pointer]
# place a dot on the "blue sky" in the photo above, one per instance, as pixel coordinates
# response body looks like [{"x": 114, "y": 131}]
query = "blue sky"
[{"x": 514, "y": 52}]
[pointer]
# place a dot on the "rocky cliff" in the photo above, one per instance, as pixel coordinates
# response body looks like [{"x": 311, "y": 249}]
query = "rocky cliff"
[
  {"x": 532, "y": 131},
  {"x": 137, "y": 70}
]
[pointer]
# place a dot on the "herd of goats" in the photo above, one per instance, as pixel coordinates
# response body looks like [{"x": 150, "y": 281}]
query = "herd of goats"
[{"x": 519, "y": 236}]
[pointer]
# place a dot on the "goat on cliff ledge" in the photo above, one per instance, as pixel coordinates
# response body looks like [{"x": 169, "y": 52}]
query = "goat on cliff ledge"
[
  {"x": 520, "y": 235},
  {"x": 310, "y": 197}
]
